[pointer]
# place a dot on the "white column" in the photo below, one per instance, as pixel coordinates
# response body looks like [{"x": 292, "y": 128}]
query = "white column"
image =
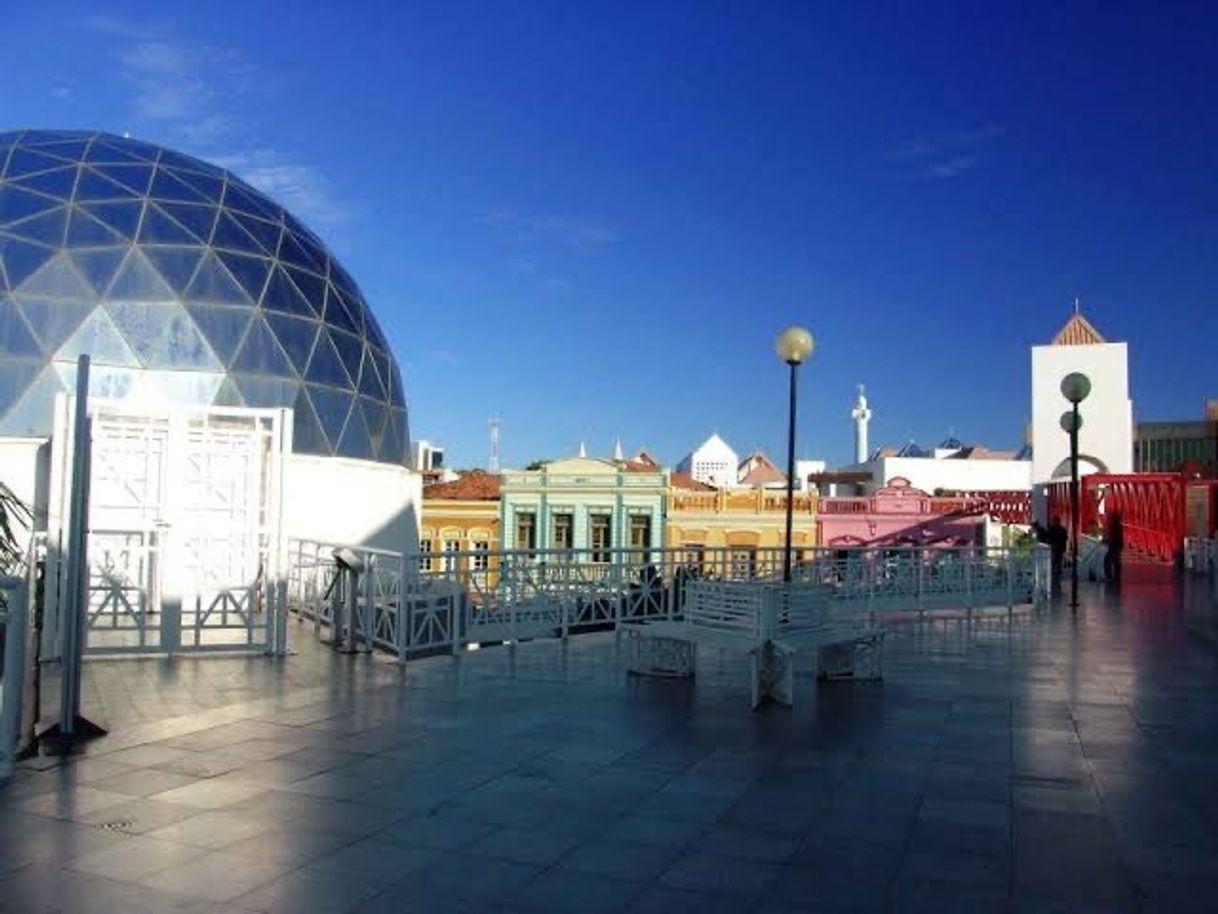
[{"x": 861, "y": 415}]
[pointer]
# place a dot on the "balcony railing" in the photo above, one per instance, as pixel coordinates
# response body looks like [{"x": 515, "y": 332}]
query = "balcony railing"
[{"x": 411, "y": 604}]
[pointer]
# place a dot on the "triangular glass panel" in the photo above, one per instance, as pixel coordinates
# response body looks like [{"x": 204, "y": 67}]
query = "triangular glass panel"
[
  {"x": 34, "y": 413},
  {"x": 25, "y": 161},
  {"x": 281, "y": 295},
  {"x": 240, "y": 197},
  {"x": 138, "y": 281},
  {"x": 224, "y": 328},
  {"x": 198, "y": 219},
  {"x": 350, "y": 350},
  {"x": 166, "y": 187},
  {"x": 267, "y": 392},
  {"x": 71, "y": 150},
  {"x": 57, "y": 183},
  {"x": 138, "y": 147},
  {"x": 47, "y": 228},
  {"x": 355, "y": 441},
  {"x": 372, "y": 330},
  {"x": 163, "y": 336},
  {"x": 249, "y": 271},
  {"x": 312, "y": 287},
  {"x": 332, "y": 407},
  {"x": 307, "y": 436},
  {"x": 210, "y": 186},
  {"x": 104, "y": 152},
  {"x": 106, "y": 382},
  {"x": 122, "y": 216},
  {"x": 397, "y": 396},
  {"x": 229, "y": 234},
  {"x": 98, "y": 266},
  {"x": 142, "y": 325},
  {"x": 133, "y": 177},
  {"x": 260, "y": 353},
  {"x": 228, "y": 395},
  {"x": 375, "y": 415},
  {"x": 369, "y": 381},
  {"x": 176, "y": 160},
  {"x": 157, "y": 228},
  {"x": 22, "y": 258},
  {"x": 16, "y": 338},
  {"x": 266, "y": 233},
  {"x": 384, "y": 364},
  {"x": 326, "y": 367},
  {"x": 176, "y": 265},
  {"x": 57, "y": 279},
  {"x": 16, "y": 204},
  {"x": 15, "y": 377},
  {"x": 213, "y": 283},
  {"x": 85, "y": 231},
  {"x": 98, "y": 338},
  {"x": 336, "y": 311},
  {"x": 392, "y": 448},
  {"x": 53, "y": 321},
  {"x": 92, "y": 187},
  {"x": 291, "y": 251},
  {"x": 297, "y": 337}
]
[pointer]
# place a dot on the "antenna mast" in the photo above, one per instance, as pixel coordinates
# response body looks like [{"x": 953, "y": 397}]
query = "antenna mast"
[{"x": 495, "y": 423}]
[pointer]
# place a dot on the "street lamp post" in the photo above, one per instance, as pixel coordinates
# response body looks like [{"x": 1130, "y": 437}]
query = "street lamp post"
[
  {"x": 1075, "y": 388},
  {"x": 794, "y": 346}
]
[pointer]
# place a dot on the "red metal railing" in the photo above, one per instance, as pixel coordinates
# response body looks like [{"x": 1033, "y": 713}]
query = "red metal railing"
[{"x": 1152, "y": 508}]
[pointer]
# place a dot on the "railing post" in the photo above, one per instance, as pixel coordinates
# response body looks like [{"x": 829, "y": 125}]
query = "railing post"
[
  {"x": 12, "y": 686},
  {"x": 1010, "y": 587},
  {"x": 920, "y": 556}
]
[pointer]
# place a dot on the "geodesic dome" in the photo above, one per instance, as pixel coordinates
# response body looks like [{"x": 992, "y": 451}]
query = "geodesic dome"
[{"x": 184, "y": 285}]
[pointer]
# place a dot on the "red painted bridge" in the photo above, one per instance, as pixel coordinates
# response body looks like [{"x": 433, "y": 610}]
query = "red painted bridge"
[{"x": 1157, "y": 510}]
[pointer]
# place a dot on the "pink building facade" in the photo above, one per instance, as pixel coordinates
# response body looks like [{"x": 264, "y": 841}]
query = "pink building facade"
[{"x": 900, "y": 515}]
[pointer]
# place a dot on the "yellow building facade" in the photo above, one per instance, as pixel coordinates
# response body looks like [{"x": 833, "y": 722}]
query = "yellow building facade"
[
  {"x": 460, "y": 516},
  {"x": 747, "y": 525}
]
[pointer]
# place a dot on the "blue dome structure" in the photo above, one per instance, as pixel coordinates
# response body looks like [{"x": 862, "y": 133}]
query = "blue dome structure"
[{"x": 186, "y": 285}]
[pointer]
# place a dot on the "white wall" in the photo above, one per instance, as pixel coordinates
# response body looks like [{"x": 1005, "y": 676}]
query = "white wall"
[
  {"x": 1107, "y": 432},
  {"x": 19, "y": 471},
  {"x": 929, "y": 474},
  {"x": 338, "y": 500}
]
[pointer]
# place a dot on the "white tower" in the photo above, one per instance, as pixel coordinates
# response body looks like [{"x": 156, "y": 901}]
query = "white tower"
[{"x": 861, "y": 415}]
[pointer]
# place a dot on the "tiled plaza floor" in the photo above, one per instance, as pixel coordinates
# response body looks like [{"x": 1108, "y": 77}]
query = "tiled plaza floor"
[{"x": 1058, "y": 764}]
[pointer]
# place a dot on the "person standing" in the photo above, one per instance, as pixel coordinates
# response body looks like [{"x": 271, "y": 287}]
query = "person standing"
[
  {"x": 1115, "y": 541},
  {"x": 1057, "y": 539}
]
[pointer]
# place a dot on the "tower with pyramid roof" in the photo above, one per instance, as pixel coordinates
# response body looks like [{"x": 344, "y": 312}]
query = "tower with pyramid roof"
[{"x": 1106, "y": 439}]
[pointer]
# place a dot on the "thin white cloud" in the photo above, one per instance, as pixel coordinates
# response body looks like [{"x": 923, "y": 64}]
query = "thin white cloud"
[
  {"x": 946, "y": 155},
  {"x": 193, "y": 93},
  {"x": 301, "y": 189},
  {"x": 567, "y": 231}
]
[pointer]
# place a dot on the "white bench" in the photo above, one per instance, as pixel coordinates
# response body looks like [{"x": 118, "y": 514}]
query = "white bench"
[{"x": 771, "y": 624}]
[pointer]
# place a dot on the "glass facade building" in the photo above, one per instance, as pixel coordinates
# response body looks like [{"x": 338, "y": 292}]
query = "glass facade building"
[{"x": 184, "y": 285}]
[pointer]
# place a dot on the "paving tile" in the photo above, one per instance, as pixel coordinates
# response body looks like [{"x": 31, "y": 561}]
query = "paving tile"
[
  {"x": 309, "y": 890},
  {"x": 559, "y": 891},
  {"x": 214, "y": 876},
  {"x": 719, "y": 875}
]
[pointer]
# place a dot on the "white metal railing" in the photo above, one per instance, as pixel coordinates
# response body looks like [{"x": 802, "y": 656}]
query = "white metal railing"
[{"x": 423, "y": 603}]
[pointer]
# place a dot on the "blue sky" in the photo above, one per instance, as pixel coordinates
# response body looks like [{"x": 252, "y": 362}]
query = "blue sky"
[{"x": 591, "y": 219}]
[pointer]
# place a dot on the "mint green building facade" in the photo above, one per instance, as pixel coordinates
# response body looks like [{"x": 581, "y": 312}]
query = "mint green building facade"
[{"x": 583, "y": 503}]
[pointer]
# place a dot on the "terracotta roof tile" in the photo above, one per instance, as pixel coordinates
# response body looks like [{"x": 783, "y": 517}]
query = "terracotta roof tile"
[
  {"x": 1078, "y": 331},
  {"x": 475, "y": 486},
  {"x": 685, "y": 481}
]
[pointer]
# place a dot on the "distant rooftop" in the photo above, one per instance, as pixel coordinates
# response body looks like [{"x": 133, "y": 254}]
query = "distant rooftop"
[{"x": 476, "y": 485}]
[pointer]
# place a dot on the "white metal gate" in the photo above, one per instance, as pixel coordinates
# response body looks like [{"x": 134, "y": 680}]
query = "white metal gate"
[{"x": 184, "y": 542}]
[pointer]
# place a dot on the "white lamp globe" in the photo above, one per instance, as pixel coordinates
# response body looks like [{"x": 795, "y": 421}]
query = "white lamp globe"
[
  {"x": 1076, "y": 386},
  {"x": 794, "y": 345}
]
